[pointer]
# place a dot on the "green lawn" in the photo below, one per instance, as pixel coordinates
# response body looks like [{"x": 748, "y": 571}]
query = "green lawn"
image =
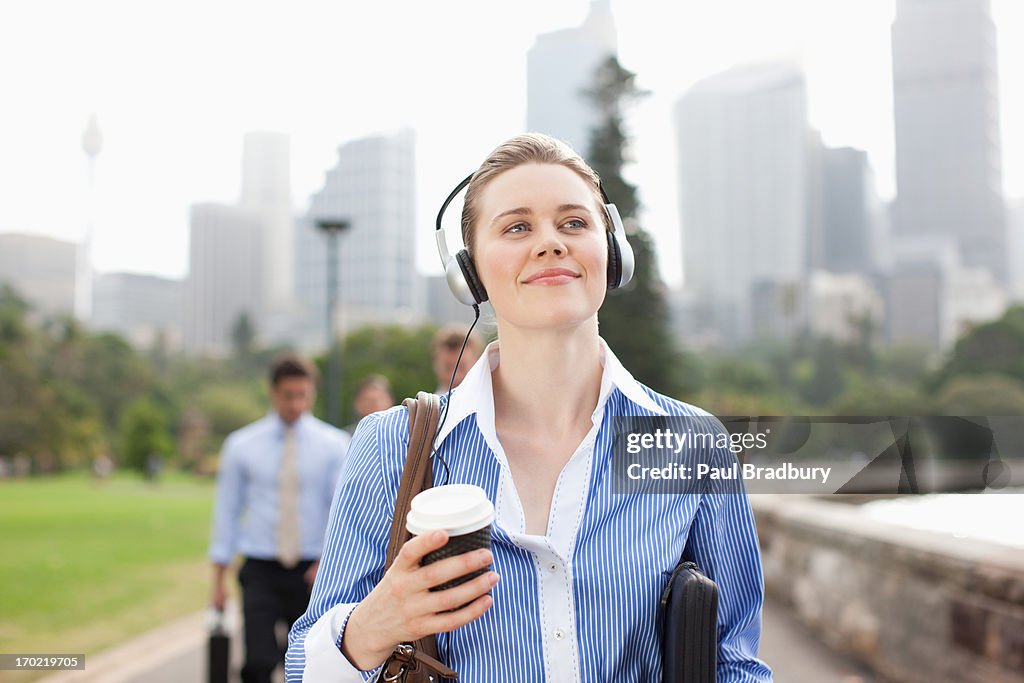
[{"x": 84, "y": 566}]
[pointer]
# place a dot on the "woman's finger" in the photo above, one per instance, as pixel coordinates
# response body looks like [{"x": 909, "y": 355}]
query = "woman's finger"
[
  {"x": 443, "y": 571},
  {"x": 417, "y": 547},
  {"x": 454, "y": 598},
  {"x": 449, "y": 621}
]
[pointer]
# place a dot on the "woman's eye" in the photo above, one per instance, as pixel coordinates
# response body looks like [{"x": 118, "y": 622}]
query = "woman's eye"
[
  {"x": 575, "y": 224},
  {"x": 518, "y": 227}
]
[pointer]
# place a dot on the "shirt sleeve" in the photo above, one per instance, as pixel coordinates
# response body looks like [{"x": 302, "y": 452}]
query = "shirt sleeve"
[
  {"x": 352, "y": 564},
  {"x": 228, "y": 504},
  {"x": 725, "y": 547},
  {"x": 334, "y": 474}
]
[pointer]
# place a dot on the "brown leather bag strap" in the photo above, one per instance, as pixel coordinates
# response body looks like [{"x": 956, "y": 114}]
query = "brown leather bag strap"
[
  {"x": 417, "y": 473},
  {"x": 414, "y": 661},
  {"x": 408, "y": 664}
]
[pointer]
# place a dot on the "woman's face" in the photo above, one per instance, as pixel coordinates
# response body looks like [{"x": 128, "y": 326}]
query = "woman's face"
[{"x": 540, "y": 247}]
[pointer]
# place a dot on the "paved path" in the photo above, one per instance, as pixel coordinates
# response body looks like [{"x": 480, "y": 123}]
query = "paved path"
[
  {"x": 176, "y": 653},
  {"x": 796, "y": 656}
]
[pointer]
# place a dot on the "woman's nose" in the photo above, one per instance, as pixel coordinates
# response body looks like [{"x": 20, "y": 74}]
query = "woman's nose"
[{"x": 550, "y": 241}]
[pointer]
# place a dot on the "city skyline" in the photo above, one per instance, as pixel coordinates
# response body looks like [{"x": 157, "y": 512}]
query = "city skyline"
[{"x": 176, "y": 95}]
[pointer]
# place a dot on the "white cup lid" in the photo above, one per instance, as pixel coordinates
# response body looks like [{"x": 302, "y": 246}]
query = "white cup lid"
[{"x": 456, "y": 508}]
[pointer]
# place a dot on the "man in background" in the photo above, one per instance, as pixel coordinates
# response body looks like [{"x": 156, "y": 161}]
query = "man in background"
[
  {"x": 373, "y": 394},
  {"x": 447, "y": 344},
  {"x": 274, "y": 490}
]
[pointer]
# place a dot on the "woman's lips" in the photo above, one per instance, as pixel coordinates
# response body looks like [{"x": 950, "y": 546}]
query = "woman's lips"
[{"x": 551, "y": 276}]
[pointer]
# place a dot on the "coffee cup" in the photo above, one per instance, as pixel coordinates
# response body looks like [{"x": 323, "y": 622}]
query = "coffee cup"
[{"x": 464, "y": 512}]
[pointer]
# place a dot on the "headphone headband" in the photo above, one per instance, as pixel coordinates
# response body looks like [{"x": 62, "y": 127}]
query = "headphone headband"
[{"x": 451, "y": 197}]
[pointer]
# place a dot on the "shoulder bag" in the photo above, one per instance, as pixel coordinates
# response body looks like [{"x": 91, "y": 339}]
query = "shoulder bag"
[{"x": 415, "y": 662}]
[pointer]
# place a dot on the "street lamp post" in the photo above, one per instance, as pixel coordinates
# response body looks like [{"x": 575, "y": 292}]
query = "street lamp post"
[
  {"x": 333, "y": 227},
  {"x": 92, "y": 145}
]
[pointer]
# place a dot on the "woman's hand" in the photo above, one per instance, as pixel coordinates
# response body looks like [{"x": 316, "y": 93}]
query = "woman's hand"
[{"x": 401, "y": 608}]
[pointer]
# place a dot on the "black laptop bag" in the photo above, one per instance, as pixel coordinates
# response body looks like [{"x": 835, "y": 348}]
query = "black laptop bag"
[{"x": 690, "y": 615}]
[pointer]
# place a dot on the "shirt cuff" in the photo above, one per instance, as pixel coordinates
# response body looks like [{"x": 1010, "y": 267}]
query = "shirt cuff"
[
  {"x": 220, "y": 558},
  {"x": 325, "y": 662}
]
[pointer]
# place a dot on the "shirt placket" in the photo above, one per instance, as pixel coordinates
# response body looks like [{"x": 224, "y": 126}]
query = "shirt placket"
[
  {"x": 552, "y": 554},
  {"x": 552, "y": 558}
]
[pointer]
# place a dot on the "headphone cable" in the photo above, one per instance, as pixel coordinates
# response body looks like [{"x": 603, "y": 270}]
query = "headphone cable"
[{"x": 451, "y": 390}]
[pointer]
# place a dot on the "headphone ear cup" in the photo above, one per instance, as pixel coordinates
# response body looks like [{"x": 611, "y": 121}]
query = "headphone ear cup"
[
  {"x": 614, "y": 262},
  {"x": 620, "y": 254},
  {"x": 476, "y": 287}
]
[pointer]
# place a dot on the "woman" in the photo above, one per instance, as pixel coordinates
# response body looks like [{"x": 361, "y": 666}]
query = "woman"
[{"x": 577, "y": 569}]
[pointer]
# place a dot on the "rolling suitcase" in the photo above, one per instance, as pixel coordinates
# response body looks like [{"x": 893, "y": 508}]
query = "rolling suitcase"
[
  {"x": 690, "y": 611},
  {"x": 218, "y": 650}
]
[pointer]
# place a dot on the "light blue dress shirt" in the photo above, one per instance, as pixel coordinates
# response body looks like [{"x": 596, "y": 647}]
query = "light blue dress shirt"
[
  {"x": 579, "y": 603},
  {"x": 245, "y": 518}
]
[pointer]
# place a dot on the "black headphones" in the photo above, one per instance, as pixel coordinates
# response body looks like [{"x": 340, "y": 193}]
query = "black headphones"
[{"x": 466, "y": 285}]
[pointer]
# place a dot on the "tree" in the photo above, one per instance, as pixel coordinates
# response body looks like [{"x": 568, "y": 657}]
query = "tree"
[
  {"x": 13, "y": 312},
  {"x": 143, "y": 432},
  {"x": 243, "y": 336},
  {"x": 974, "y": 395},
  {"x": 996, "y": 347},
  {"x": 906, "y": 362},
  {"x": 401, "y": 354},
  {"x": 827, "y": 381},
  {"x": 227, "y": 406},
  {"x": 20, "y": 400},
  {"x": 113, "y": 374},
  {"x": 869, "y": 395},
  {"x": 634, "y": 320}
]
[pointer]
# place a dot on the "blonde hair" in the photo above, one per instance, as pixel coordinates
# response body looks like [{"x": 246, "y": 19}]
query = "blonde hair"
[{"x": 535, "y": 148}]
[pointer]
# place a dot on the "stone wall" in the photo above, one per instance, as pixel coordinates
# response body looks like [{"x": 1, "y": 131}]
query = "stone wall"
[{"x": 915, "y": 606}]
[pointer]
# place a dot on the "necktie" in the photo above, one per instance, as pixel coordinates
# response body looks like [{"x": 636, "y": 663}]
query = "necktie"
[{"x": 288, "y": 538}]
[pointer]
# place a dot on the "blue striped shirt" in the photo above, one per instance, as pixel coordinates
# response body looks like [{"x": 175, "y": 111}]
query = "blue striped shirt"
[
  {"x": 245, "y": 517},
  {"x": 580, "y": 603}
]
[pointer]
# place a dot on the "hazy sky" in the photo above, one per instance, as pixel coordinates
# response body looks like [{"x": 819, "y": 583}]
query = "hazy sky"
[{"x": 176, "y": 85}]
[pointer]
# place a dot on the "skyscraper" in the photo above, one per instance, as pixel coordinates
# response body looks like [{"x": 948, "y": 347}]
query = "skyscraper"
[
  {"x": 140, "y": 308},
  {"x": 373, "y": 187},
  {"x": 850, "y": 211},
  {"x": 948, "y": 155},
  {"x": 241, "y": 256},
  {"x": 225, "y": 279},
  {"x": 560, "y": 65},
  {"x": 266, "y": 192},
  {"x": 931, "y": 298},
  {"x": 42, "y": 270},
  {"x": 742, "y": 143},
  {"x": 1015, "y": 216}
]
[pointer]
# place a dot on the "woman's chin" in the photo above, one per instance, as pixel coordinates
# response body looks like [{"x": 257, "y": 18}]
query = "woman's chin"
[{"x": 553, "y": 319}]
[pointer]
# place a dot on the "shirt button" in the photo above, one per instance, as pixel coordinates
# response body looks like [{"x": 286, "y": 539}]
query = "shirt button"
[{"x": 558, "y": 634}]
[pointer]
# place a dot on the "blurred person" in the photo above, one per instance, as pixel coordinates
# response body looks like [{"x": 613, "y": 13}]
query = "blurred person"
[
  {"x": 21, "y": 466},
  {"x": 274, "y": 490},
  {"x": 102, "y": 467},
  {"x": 154, "y": 466},
  {"x": 372, "y": 395},
  {"x": 447, "y": 344},
  {"x": 571, "y": 588}
]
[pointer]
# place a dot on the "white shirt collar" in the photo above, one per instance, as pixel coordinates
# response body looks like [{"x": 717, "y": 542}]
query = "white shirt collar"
[
  {"x": 279, "y": 426},
  {"x": 476, "y": 394}
]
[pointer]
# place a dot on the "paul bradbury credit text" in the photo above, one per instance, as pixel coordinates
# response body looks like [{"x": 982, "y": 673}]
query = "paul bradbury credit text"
[{"x": 747, "y": 471}]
